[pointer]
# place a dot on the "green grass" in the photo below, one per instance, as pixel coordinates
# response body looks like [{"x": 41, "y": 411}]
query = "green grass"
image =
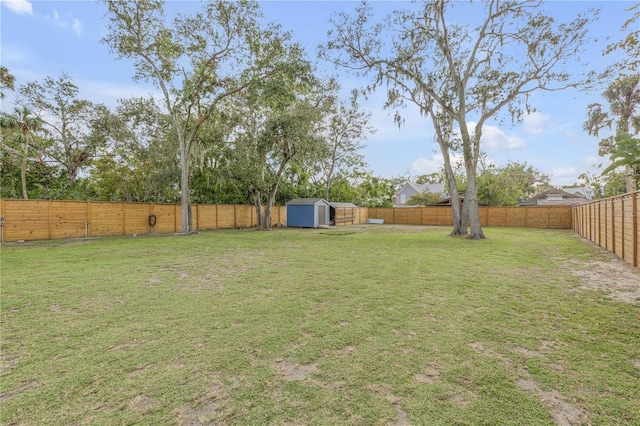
[{"x": 300, "y": 327}]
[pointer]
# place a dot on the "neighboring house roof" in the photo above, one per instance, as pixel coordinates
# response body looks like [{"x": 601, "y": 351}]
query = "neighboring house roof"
[
  {"x": 585, "y": 191},
  {"x": 553, "y": 197},
  {"x": 411, "y": 188}
]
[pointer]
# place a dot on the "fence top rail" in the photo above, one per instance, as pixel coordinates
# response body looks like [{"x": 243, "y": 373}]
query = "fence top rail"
[
  {"x": 609, "y": 199},
  {"x": 121, "y": 202}
]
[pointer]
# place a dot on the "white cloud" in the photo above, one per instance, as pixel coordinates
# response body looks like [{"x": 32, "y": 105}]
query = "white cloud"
[
  {"x": 19, "y": 6},
  {"x": 425, "y": 166},
  {"x": 564, "y": 171},
  {"x": 564, "y": 176},
  {"x": 534, "y": 123},
  {"x": 75, "y": 25},
  {"x": 573, "y": 136},
  {"x": 495, "y": 139}
]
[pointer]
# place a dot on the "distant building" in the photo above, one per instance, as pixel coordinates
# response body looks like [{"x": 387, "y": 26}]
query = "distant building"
[
  {"x": 410, "y": 189},
  {"x": 585, "y": 191},
  {"x": 554, "y": 197}
]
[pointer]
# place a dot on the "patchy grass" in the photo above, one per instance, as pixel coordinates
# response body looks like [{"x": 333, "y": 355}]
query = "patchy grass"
[{"x": 388, "y": 325}]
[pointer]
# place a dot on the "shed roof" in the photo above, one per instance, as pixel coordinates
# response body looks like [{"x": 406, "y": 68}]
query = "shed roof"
[{"x": 305, "y": 201}]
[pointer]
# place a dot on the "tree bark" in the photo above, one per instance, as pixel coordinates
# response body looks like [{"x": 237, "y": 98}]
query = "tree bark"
[
  {"x": 471, "y": 204},
  {"x": 23, "y": 168},
  {"x": 186, "y": 221},
  {"x": 257, "y": 202},
  {"x": 629, "y": 179}
]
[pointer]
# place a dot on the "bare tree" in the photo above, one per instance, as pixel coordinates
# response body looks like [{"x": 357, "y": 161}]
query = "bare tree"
[{"x": 470, "y": 74}]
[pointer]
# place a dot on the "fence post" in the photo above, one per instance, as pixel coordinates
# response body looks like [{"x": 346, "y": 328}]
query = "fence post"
[
  {"x": 50, "y": 224},
  {"x": 634, "y": 226},
  {"x": 622, "y": 223},
  {"x": 613, "y": 227},
  {"x": 606, "y": 228},
  {"x": 87, "y": 233}
]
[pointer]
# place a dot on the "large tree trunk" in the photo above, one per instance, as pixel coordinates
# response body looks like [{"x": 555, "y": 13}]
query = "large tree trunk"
[
  {"x": 456, "y": 214},
  {"x": 186, "y": 221},
  {"x": 257, "y": 202},
  {"x": 630, "y": 179},
  {"x": 328, "y": 188},
  {"x": 271, "y": 198},
  {"x": 471, "y": 204},
  {"x": 23, "y": 168}
]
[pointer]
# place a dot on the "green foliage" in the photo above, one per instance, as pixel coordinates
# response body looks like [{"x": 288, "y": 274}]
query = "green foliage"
[
  {"x": 197, "y": 62},
  {"x": 68, "y": 122},
  {"x": 505, "y": 186},
  {"x": 19, "y": 139},
  {"x": 435, "y": 177},
  {"x": 7, "y": 81},
  {"x": 423, "y": 199},
  {"x": 625, "y": 153},
  {"x": 631, "y": 43}
]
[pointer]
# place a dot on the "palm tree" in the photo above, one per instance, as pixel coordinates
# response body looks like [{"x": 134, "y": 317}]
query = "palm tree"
[
  {"x": 23, "y": 125},
  {"x": 626, "y": 153},
  {"x": 622, "y": 115}
]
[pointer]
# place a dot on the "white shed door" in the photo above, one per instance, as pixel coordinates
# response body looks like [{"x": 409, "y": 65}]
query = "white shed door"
[{"x": 322, "y": 215}]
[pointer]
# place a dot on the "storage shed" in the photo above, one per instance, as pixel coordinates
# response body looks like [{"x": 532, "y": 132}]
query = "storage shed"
[{"x": 308, "y": 212}]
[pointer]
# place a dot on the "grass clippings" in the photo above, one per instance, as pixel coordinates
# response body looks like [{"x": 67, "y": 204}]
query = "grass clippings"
[{"x": 391, "y": 325}]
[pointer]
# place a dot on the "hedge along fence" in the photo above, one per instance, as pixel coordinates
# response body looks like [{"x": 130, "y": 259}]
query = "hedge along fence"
[
  {"x": 612, "y": 223},
  {"x": 45, "y": 220},
  {"x": 548, "y": 217}
]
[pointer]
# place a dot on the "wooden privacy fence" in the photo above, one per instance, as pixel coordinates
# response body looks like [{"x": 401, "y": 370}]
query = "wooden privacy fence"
[
  {"x": 612, "y": 223},
  {"x": 549, "y": 217},
  {"x": 45, "y": 220}
]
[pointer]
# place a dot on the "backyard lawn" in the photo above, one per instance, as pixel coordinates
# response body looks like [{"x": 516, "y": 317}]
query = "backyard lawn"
[{"x": 366, "y": 325}]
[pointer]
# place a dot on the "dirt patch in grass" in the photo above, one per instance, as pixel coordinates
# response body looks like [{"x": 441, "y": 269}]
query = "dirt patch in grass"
[
  {"x": 125, "y": 346},
  {"x": 563, "y": 413},
  {"x": 394, "y": 400},
  {"x": 617, "y": 279},
  {"x": 431, "y": 375},
  {"x": 210, "y": 409},
  {"x": 141, "y": 403},
  {"x": 25, "y": 386},
  {"x": 292, "y": 371},
  {"x": 218, "y": 271}
]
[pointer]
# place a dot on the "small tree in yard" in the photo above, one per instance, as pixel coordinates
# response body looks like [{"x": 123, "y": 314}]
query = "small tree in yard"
[
  {"x": 278, "y": 127},
  {"x": 344, "y": 133},
  {"x": 460, "y": 74}
]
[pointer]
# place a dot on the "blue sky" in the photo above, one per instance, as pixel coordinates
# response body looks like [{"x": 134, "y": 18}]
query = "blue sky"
[{"x": 47, "y": 38}]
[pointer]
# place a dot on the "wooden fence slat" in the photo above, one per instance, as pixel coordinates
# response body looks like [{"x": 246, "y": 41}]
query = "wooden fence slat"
[{"x": 612, "y": 223}]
